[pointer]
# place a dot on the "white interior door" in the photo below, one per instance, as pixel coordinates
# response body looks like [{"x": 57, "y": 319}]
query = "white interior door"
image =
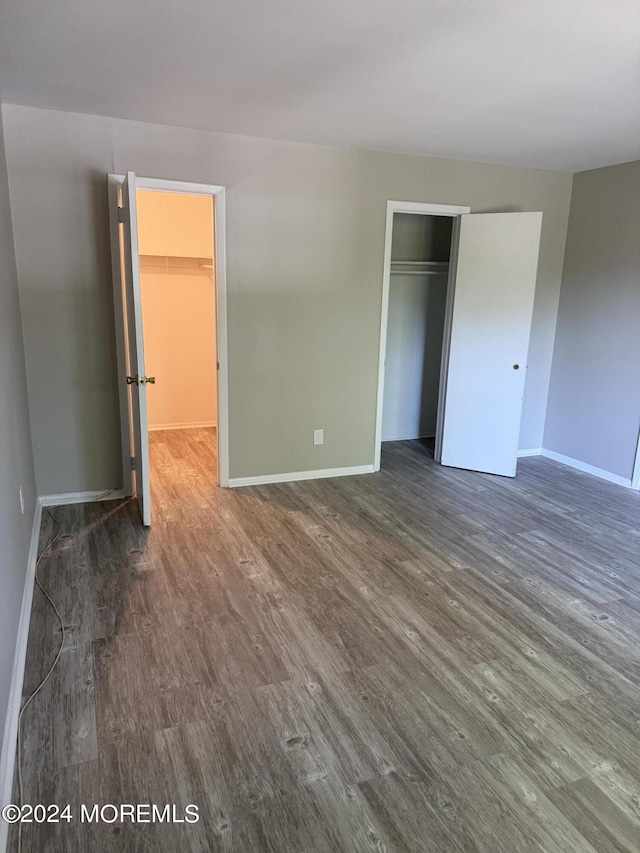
[
  {"x": 132, "y": 319},
  {"x": 493, "y": 288}
]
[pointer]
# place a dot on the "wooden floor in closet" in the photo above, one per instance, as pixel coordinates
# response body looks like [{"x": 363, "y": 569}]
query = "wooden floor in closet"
[{"x": 423, "y": 659}]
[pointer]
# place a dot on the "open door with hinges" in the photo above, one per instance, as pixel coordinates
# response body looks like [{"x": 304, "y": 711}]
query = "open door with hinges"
[
  {"x": 492, "y": 285},
  {"x": 129, "y": 332}
]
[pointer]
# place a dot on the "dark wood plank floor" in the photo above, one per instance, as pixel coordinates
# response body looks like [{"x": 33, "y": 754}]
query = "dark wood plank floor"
[{"x": 419, "y": 660}]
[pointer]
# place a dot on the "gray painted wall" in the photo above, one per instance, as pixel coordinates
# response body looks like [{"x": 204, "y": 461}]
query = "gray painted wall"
[
  {"x": 305, "y": 245},
  {"x": 16, "y": 460},
  {"x": 594, "y": 400}
]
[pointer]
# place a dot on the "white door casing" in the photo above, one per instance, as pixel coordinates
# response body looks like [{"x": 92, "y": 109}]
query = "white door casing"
[{"x": 420, "y": 209}]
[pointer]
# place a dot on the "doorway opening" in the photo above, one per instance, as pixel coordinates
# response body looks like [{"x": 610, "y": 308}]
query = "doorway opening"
[
  {"x": 416, "y": 307},
  {"x": 177, "y": 282},
  {"x": 420, "y": 254},
  {"x": 169, "y": 290},
  {"x": 482, "y": 332}
]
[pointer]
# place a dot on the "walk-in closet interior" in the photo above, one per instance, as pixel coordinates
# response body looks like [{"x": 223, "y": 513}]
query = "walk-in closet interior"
[{"x": 175, "y": 233}]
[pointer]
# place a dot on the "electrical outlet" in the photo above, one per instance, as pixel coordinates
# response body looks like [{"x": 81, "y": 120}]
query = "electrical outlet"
[
  {"x": 318, "y": 436},
  {"x": 21, "y": 500}
]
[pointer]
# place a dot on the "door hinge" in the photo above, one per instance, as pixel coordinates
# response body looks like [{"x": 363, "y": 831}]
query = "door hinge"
[
  {"x": 133, "y": 463},
  {"x": 122, "y": 216}
]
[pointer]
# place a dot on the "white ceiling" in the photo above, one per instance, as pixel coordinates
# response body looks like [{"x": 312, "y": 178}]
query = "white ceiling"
[{"x": 547, "y": 83}]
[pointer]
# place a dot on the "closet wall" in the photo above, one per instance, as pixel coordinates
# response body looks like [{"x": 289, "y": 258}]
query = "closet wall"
[
  {"x": 178, "y": 307},
  {"x": 415, "y": 325}
]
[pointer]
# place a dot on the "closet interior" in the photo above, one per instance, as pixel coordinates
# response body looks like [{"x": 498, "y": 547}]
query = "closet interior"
[
  {"x": 420, "y": 254},
  {"x": 175, "y": 235}
]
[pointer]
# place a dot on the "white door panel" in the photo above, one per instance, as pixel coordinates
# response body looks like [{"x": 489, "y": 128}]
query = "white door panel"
[
  {"x": 133, "y": 324},
  {"x": 495, "y": 276}
]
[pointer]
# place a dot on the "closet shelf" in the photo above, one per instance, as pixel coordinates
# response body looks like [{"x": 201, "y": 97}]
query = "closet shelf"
[
  {"x": 418, "y": 272},
  {"x": 175, "y": 258},
  {"x": 421, "y": 263},
  {"x": 419, "y": 267}
]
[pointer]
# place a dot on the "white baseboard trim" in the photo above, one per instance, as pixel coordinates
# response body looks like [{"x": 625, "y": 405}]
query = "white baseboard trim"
[
  {"x": 588, "y": 469},
  {"x": 82, "y": 497},
  {"x": 197, "y": 425},
  {"x": 9, "y": 742},
  {"x": 300, "y": 475},
  {"x": 530, "y": 451}
]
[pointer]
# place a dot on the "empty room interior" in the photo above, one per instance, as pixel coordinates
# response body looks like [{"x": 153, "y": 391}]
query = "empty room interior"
[{"x": 320, "y": 427}]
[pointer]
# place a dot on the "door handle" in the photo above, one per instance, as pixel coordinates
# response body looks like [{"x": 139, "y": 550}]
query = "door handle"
[{"x": 141, "y": 380}]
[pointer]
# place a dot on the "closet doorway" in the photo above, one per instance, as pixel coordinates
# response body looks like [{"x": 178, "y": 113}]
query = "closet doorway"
[
  {"x": 420, "y": 253},
  {"x": 170, "y": 310},
  {"x": 415, "y": 311},
  {"x": 175, "y": 246},
  {"x": 457, "y": 304}
]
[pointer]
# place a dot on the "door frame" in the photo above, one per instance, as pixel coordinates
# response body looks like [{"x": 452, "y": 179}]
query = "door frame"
[
  {"x": 217, "y": 194},
  {"x": 420, "y": 208},
  {"x": 635, "y": 476}
]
